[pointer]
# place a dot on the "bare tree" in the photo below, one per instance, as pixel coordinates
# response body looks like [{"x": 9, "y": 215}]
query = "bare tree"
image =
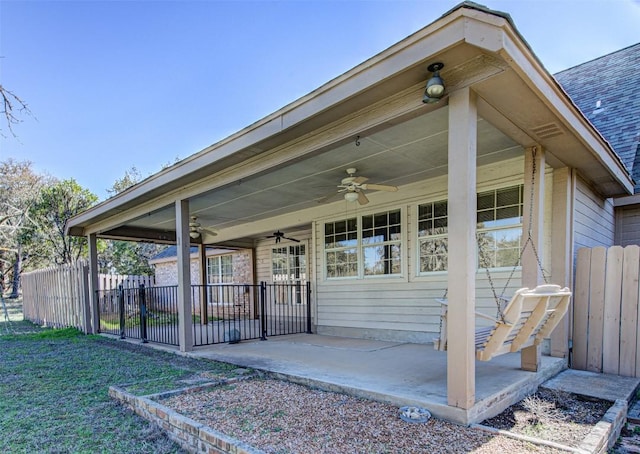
[
  {"x": 19, "y": 187},
  {"x": 12, "y": 107}
]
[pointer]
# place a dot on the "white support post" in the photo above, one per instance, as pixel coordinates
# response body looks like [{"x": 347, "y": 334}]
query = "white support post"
[
  {"x": 461, "y": 385},
  {"x": 91, "y": 306},
  {"x": 562, "y": 250},
  {"x": 185, "y": 333},
  {"x": 533, "y": 218}
]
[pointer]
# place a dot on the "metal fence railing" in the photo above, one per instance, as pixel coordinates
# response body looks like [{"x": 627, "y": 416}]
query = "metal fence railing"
[{"x": 220, "y": 313}]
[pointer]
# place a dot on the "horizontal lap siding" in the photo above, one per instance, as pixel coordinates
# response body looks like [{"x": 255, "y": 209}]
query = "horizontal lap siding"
[
  {"x": 594, "y": 220},
  {"x": 408, "y": 303},
  {"x": 628, "y": 226}
]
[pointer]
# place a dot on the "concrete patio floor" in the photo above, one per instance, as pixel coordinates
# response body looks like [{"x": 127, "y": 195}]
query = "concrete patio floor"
[{"x": 397, "y": 373}]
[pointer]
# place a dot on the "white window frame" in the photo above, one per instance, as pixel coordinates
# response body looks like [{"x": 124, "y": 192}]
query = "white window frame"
[
  {"x": 479, "y": 230},
  {"x": 360, "y": 245},
  {"x": 220, "y": 296},
  {"x": 289, "y": 276}
]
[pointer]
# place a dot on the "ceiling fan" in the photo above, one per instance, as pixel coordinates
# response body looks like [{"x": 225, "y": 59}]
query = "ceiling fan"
[
  {"x": 353, "y": 188},
  {"x": 196, "y": 230},
  {"x": 279, "y": 236}
]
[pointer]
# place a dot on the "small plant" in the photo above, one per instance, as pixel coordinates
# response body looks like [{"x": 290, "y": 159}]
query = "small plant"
[{"x": 543, "y": 411}]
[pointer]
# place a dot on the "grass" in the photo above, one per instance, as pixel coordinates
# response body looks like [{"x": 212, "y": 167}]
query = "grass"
[{"x": 54, "y": 388}]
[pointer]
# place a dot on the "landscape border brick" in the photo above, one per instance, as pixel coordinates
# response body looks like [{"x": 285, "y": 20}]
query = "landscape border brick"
[{"x": 188, "y": 433}]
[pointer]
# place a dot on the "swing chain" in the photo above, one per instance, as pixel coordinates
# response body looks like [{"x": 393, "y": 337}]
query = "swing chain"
[{"x": 534, "y": 151}]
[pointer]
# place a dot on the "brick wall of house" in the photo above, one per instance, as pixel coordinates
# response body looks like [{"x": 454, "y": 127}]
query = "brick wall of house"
[{"x": 167, "y": 272}]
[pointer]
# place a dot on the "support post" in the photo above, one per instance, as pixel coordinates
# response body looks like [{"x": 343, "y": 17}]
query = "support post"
[
  {"x": 562, "y": 250},
  {"x": 532, "y": 224},
  {"x": 92, "y": 304},
  {"x": 185, "y": 331},
  {"x": 462, "y": 248}
]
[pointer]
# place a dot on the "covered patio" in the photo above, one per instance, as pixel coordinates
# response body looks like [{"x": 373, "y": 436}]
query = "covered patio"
[
  {"x": 396, "y": 373},
  {"x": 503, "y": 124}
]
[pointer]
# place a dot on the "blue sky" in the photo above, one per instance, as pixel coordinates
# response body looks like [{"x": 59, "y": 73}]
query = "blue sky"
[{"x": 115, "y": 84}]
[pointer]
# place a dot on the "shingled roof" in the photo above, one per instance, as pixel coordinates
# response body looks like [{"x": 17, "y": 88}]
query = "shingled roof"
[{"x": 607, "y": 91}]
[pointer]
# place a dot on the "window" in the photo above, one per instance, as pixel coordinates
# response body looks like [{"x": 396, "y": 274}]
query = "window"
[
  {"x": 381, "y": 243},
  {"x": 289, "y": 264},
  {"x": 219, "y": 273},
  {"x": 220, "y": 269},
  {"x": 289, "y": 268},
  {"x": 432, "y": 236},
  {"x": 499, "y": 230},
  {"x": 341, "y": 248},
  {"x": 372, "y": 247},
  {"x": 500, "y": 227}
]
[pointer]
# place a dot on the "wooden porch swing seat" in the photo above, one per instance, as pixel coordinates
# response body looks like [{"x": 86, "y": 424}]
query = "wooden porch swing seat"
[{"x": 529, "y": 317}]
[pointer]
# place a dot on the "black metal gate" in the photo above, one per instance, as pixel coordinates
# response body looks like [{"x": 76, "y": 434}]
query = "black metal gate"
[{"x": 221, "y": 313}]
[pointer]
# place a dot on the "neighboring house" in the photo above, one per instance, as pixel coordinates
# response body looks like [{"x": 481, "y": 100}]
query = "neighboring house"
[
  {"x": 222, "y": 266},
  {"x": 505, "y": 156},
  {"x": 607, "y": 91}
]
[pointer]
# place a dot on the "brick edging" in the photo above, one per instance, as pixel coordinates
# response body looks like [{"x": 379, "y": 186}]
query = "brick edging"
[{"x": 188, "y": 433}]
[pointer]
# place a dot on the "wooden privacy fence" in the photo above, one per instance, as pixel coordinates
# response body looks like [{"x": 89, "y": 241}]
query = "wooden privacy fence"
[
  {"x": 112, "y": 281},
  {"x": 605, "y": 318},
  {"x": 55, "y": 296},
  {"x": 59, "y": 296}
]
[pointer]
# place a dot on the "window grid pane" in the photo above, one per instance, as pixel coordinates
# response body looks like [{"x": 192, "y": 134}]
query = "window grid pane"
[
  {"x": 499, "y": 227},
  {"x": 376, "y": 246}
]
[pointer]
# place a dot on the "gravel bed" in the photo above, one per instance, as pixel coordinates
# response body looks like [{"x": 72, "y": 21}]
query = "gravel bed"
[{"x": 280, "y": 417}]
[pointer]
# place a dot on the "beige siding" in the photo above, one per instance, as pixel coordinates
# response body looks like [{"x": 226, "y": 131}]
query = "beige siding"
[
  {"x": 594, "y": 218},
  {"x": 628, "y": 225},
  {"x": 403, "y": 308}
]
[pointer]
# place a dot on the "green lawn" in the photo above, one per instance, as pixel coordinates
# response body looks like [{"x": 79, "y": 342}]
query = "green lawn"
[{"x": 54, "y": 391}]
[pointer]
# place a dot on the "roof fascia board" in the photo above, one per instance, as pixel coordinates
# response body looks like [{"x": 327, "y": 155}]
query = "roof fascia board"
[
  {"x": 517, "y": 53},
  {"x": 626, "y": 200}
]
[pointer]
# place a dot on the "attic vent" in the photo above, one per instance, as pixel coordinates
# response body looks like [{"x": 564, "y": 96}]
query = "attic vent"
[{"x": 547, "y": 131}]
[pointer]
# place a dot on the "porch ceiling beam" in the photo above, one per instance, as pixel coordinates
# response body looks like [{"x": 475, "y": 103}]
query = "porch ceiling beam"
[
  {"x": 141, "y": 234},
  {"x": 235, "y": 244},
  {"x": 462, "y": 248}
]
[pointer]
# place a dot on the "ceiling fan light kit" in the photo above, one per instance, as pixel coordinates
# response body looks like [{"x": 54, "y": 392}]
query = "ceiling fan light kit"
[
  {"x": 353, "y": 187},
  {"x": 196, "y": 229},
  {"x": 351, "y": 196}
]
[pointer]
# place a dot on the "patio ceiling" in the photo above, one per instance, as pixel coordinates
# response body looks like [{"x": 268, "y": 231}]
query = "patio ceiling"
[
  {"x": 258, "y": 179},
  {"x": 401, "y": 154}
]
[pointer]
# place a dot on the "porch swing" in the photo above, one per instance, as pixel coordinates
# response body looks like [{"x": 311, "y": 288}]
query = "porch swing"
[{"x": 527, "y": 318}]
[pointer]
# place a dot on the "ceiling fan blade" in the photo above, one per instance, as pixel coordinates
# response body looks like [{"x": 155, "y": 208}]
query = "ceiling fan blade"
[
  {"x": 291, "y": 239},
  {"x": 362, "y": 199},
  {"x": 208, "y": 237},
  {"x": 359, "y": 180},
  {"x": 380, "y": 187}
]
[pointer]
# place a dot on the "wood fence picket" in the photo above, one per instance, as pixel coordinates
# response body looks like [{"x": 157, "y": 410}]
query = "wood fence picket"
[
  {"x": 605, "y": 316},
  {"x": 59, "y": 296}
]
